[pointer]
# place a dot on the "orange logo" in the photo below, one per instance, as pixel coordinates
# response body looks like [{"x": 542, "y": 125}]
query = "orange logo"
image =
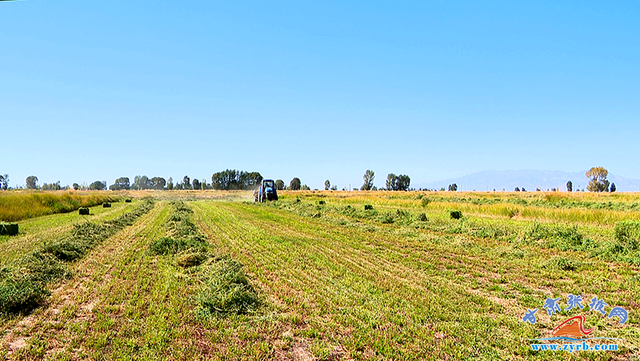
[{"x": 573, "y": 327}]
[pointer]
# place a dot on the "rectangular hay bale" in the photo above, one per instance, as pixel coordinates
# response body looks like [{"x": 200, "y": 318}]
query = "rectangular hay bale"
[{"x": 10, "y": 229}]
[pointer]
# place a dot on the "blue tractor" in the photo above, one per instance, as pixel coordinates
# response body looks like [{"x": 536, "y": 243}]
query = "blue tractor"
[{"x": 267, "y": 191}]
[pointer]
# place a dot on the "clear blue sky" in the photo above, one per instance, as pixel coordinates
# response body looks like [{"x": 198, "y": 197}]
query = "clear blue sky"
[{"x": 95, "y": 90}]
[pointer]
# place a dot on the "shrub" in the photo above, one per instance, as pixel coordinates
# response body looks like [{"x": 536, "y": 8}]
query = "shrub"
[
  {"x": 83, "y": 211},
  {"x": 106, "y": 205},
  {"x": 455, "y": 214},
  {"x": 422, "y": 217},
  {"x": 321, "y": 203},
  {"x": 10, "y": 229},
  {"x": 425, "y": 201},
  {"x": 368, "y": 207},
  {"x": 128, "y": 200}
]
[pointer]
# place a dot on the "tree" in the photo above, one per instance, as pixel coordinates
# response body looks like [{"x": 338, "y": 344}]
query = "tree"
[
  {"x": 398, "y": 182},
  {"x": 141, "y": 182},
  {"x": 569, "y": 186},
  {"x": 453, "y": 187},
  {"x": 121, "y": 183},
  {"x": 170, "y": 184},
  {"x": 76, "y": 186},
  {"x": 391, "y": 181},
  {"x": 597, "y": 179},
  {"x": 235, "y": 179},
  {"x": 186, "y": 182},
  {"x": 327, "y": 185},
  {"x": 4, "y": 182},
  {"x": 305, "y": 187},
  {"x": 368, "y": 178},
  {"x": 613, "y": 188},
  {"x": 279, "y": 184},
  {"x": 97, "y": 186},
  {"x": 32, "y": 182},
  {"x": 295, "y": 184},
  {"x": 196, "y": 184},
  {"x": 334, "y": 187},
  {"x": 403, "y": 182},
  {"x": 158, "y": 183},
  {"x": 517, "y": 189}
]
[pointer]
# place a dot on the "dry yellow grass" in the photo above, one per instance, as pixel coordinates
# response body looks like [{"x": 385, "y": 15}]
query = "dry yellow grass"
[{"x": 17, "y": 205}]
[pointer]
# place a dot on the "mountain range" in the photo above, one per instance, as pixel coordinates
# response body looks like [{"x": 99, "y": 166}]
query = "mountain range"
[{"x": 529, "y": 179}]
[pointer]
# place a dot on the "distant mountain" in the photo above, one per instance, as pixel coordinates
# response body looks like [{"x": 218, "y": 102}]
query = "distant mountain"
[{"x": 529, "y": 179}]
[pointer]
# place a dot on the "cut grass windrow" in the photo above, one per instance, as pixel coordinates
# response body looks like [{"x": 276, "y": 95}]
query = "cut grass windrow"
[
  {"x": 23, "y": 283},
  {"x": 225, "y": 286}
]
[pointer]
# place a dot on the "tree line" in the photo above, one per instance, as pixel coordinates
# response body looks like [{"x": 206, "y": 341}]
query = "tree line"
[{"x": 231, "y": 179}]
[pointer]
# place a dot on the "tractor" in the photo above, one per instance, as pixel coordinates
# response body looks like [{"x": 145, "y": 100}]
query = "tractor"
[{"x": 266, "y": 192}]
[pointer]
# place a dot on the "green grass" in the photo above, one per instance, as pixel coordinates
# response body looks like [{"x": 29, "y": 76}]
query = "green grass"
[
  {"x": 22, "y": 284},
  {"x": 296, "y": 278}
]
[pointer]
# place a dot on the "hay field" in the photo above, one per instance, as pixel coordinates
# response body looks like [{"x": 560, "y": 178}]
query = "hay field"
[
  {"x": 315, "y": 276},
  {"x": 18, "y": 205}
]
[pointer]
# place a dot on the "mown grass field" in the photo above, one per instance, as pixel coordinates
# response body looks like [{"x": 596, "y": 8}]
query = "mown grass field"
[{"x": 401, "y": 281}]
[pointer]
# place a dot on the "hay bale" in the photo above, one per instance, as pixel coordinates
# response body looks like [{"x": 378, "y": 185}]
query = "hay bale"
[
  {"x": 106, "y": 205},
  {"x": 83, "y": 211},
  {"x": 10, "y": 229}
]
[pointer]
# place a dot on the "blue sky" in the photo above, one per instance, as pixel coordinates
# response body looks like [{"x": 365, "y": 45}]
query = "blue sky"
[{"x": 95, "y": 90}]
